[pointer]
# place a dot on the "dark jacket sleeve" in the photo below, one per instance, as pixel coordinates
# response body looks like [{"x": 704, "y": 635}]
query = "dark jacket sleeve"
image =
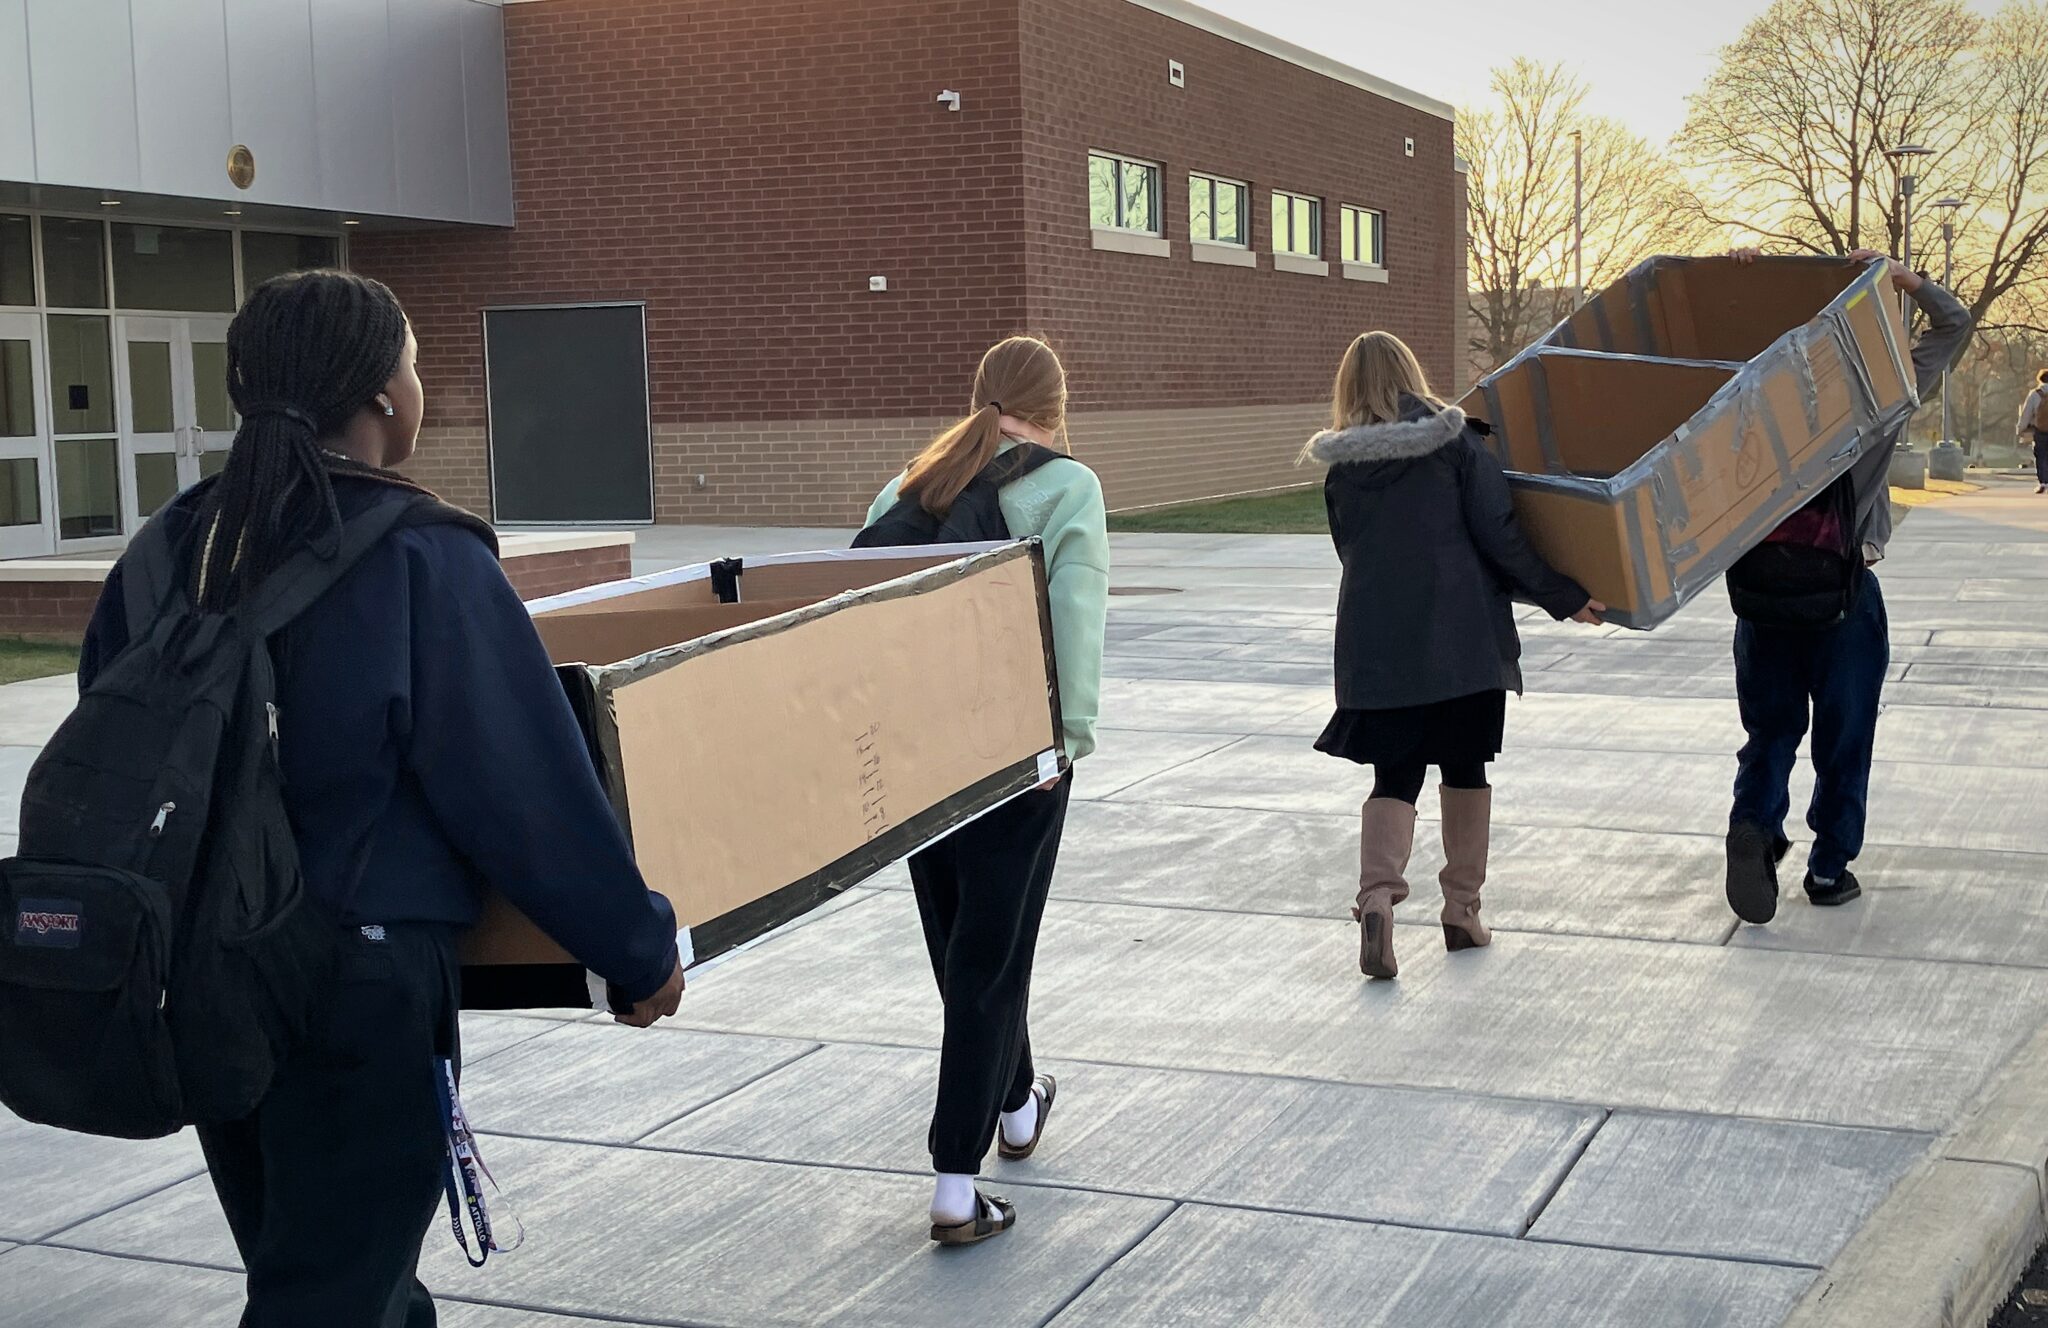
[
  {"x": 500, "y": 759},
  {"x": 1490, "y": 518},
  {"x": 1330, "y": 507}
]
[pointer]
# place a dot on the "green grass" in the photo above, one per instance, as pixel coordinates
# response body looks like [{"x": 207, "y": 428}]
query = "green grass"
[
  {"x": 21, "y": 660},
  {"x": 1296, "y": 512}
]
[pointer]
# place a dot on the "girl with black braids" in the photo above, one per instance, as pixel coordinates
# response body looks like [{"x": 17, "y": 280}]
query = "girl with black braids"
[{"x": 427, "y": 752}]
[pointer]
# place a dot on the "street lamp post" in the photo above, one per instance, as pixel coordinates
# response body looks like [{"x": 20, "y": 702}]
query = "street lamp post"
[
  {"x": 1578, "y": 217},
  {"x": 1902, "y": 162},
  {"x": 1948, "y": 208}
]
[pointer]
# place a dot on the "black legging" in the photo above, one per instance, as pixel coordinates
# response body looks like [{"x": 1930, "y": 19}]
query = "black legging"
[{"x": 1403, "y": 782}]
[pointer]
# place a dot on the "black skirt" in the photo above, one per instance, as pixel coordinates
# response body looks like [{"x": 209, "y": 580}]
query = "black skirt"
[{"x": 1459, "y": 731}]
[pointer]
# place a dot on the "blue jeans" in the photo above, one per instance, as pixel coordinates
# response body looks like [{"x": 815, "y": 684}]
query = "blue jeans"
[{"x": 1835, "y": 676}]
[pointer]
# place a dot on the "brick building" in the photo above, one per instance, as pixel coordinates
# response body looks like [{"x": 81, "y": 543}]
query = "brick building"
[
  {"x": 700, "y": 260},
  {"x": 744, "y": 168}
]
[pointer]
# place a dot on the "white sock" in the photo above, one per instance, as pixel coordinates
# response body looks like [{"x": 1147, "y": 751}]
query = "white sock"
[
  {"x": 1021, "y": 1124},
  {"x": 953, "y": 1200}
]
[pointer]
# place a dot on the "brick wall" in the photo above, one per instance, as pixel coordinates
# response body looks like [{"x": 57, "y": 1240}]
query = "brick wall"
[
  {"x": 1145, "y": 332},
  {"x": 538, "y": 575},
  {"x": 47, "y": 610},
  {"x": 743, "y": 167}
]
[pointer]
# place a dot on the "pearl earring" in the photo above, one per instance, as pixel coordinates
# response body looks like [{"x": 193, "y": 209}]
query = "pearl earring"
[{"x": 390, "y": 409}]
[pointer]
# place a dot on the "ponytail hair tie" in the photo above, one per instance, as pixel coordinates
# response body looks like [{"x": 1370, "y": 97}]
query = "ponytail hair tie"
[
  {"x": 995, "y": 406},
  {"x": 279, "y": 410}
]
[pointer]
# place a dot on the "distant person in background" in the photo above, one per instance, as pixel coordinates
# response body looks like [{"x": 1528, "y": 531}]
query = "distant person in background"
[
  {"x": 1426, "y": 644},
  {"x": 1812, "y": 644},
  {"x": 2034, "y": 425},
  {"x": 981, "y": 890}
]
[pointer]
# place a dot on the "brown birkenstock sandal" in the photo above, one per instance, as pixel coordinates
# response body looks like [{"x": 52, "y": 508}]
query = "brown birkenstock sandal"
[
  {"x": 1045, "y": 1088},
  {"x": 993, "y": 1216}
]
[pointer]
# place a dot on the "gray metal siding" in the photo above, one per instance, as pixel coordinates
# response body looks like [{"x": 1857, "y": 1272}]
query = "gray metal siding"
[
  {"x": 181, "y": 91},
  {"x": 377, "y": 107}
]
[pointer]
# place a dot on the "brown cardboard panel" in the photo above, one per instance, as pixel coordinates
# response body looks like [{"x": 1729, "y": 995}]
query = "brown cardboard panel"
[
  {"x": 1583, "y": 537},
  {"x": 628, "y": 628},
  {"x": 756, "y": 762},
  {"x": 770, "y": 758},
  {"x": 692, "y": 593},
  {"x": 1720, "y": 310},
  {"x": 825, "y": 578},
  {"x": 1604, "y": 414}
]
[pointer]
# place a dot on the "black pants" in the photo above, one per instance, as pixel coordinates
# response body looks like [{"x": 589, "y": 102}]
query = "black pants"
[
  {"x": 2041, "y": 455},
  {"x": 1403, "y": 783},
  {"x": 331, "y": 1183},
  {"x": 981, "y": 894}
]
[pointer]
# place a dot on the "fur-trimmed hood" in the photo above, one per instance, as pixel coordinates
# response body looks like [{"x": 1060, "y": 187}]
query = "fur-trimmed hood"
[{"x": 1424, "y": 431}]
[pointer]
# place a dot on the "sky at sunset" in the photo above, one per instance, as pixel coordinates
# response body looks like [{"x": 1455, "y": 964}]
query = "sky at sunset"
[{"x": 1641, "y": 59}]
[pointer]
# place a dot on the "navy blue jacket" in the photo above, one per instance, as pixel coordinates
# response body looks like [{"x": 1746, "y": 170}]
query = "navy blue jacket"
[{"x": 428, "y": 750}]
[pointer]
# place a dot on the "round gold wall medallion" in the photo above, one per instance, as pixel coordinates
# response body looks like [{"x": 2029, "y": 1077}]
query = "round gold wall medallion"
[{"x": 241, "y": 166}]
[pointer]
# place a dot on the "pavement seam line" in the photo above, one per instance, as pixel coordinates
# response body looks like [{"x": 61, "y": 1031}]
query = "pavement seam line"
[
  {"x": 109, "y": 1211},
  {"x": 770, "y": 1072},
  {"x": 1571, "y": 1164},
  {"x": 1129, "y": 1249}
]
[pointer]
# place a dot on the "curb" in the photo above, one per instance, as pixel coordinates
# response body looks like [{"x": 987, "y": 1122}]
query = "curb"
[{"x": 1946, "y": 1246}]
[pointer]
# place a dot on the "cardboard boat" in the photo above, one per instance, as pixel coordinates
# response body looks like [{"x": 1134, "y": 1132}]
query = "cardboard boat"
[
  {"x": 774, "y": 731},
  {"x": 1670, "y": 424}
]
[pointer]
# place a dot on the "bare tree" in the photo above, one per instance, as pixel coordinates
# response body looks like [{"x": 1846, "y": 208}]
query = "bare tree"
[
  {"x": 2002, "y": 233},
  {"x": 1788, "y": 136},
  {"x": 1519, "y": 210}
]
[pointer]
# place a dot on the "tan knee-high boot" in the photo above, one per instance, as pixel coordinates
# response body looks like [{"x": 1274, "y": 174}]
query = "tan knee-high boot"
[
  {"x": 1386, "y": 837},
  {"x": 1468, "y": 821}
]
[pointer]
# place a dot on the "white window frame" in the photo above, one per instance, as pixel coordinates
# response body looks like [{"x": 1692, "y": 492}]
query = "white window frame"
[
  {"x": 1286, "y": 249},
  {"x": 1366, "y": 267},
  {"x": 1244, "y": 210},
  {"x": 1123, "y": 160}
]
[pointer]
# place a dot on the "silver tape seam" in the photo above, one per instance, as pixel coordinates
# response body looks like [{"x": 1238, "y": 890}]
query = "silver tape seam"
[
  {"x": 1546, "y": 429},
  {"x": 1638, "y": 553},
  {"x": 1606, "y": 328},
  {"x": 1899, "y": 364},
  {"x": 1641, "y": 281},
  {"x": 1863, "y": 395},
  {"x": 1809, "y": 391},
  {"x": 1498, "y": 440}
]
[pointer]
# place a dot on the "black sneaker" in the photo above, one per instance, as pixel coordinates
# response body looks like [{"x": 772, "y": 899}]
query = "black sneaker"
[
  {"x": 1845, "y": 888},
  {"x": 1752, "y": 873}
]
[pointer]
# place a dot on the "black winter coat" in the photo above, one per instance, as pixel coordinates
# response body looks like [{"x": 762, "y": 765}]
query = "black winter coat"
[{"x": 1432, "y": 555}]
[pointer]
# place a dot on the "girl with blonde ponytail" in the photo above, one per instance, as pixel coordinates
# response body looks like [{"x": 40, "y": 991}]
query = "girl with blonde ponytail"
[{"x": 981, "y": 891}]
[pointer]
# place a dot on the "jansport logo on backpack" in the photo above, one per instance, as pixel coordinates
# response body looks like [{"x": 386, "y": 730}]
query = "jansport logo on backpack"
[
  {"x": 52, "y": 923},
  {"x": 159, "y": 954}
]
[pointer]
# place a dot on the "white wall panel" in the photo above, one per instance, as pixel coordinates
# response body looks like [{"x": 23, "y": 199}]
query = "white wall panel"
[
  {"x": 82, "y": 68},
  {"x": 181, "y": 95}
]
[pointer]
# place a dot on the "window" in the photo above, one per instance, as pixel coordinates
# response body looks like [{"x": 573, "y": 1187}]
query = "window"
[
  {"x": 1364, "y": 235},
  {"x": 1297, "y": 225},
  {"x": 1123, "y": 195},
  {"x": 181, "y": 268},
  {"x": 266, "y": 255},
  {"x": 17, "y": 262},
  {"x": 74, "y": 263},
  {"x": 1217, "y": 210}
]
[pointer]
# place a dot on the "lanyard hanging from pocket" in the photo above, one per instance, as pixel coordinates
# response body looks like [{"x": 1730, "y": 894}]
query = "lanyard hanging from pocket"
[{"x": 466, "y": 1177}]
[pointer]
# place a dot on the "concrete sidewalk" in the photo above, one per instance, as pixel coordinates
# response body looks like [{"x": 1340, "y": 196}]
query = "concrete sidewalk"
[{"x": 1629, "y": 1111}]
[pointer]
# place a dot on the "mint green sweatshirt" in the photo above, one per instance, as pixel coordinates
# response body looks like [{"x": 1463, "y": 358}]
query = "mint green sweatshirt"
[{"x": 1061, "y": 503}]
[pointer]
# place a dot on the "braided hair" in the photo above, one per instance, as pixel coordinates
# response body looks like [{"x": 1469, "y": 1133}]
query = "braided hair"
[{"x": 306, "y": 353}]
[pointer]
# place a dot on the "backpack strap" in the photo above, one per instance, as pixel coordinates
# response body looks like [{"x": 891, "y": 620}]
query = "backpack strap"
[
  {"x": 306, "y": 576},
  {"x": 1018, "y": 462}
]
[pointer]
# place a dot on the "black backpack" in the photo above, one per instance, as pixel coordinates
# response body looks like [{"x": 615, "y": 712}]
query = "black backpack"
[
  {"x": 159, "y": 953},
  {"x": 976, "y": 516},
  {"x": 1802, "y": 586}
]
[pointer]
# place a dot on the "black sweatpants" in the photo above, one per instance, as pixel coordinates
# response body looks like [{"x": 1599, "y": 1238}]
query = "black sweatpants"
[
  {"x": 331, "y": 1183},
  {"x": 981, "y": 894}
]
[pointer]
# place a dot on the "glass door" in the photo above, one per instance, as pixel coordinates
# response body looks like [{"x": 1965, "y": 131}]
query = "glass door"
[
  {"x": 177, "y": 419},
  {"x": 24, "y": 440}
]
